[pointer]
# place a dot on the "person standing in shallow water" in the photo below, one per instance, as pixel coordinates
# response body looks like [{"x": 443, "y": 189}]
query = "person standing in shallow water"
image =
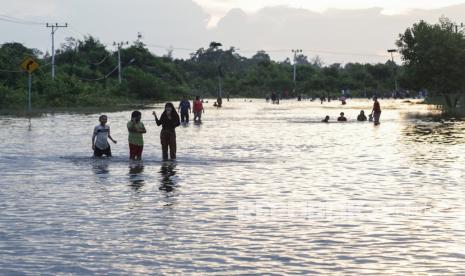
[
  {"x": 136, "y": 142},
  {"x": 169, "y": 120},
  {"x": 198, "y": 109},
  {"x": 100, "y": 138},
  {"x": 184, "y": 109},
  {"x": 376, "y": 111}
]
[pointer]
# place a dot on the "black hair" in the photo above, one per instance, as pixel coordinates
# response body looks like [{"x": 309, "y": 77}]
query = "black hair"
[
  {"x": 173, "y": 110},
  {"x": 101, "y": 116},
  {"x": 197, "y": 98},
  {"x": 136, "y": 114},
  {"x": 169, "y": 104}
]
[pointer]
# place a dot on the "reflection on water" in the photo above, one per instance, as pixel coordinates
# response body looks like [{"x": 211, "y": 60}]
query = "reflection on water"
[
  {"x": 440, "y": 132},
  {"x": 136, "y": 178},
  {"x": 257, "y": 189},
  {"x": 168, "y": 176},
  {"x": 100, "y": 166}
]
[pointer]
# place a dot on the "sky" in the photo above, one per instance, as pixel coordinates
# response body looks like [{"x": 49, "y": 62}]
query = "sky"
[{"x": 337, "y": 31}]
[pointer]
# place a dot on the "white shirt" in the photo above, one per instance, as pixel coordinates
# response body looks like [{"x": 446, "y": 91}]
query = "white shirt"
[{"x": 102, "y": 135}]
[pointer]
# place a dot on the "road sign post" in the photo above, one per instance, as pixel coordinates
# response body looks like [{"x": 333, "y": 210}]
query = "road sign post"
[
  {"x": 29, "y": 105},
  {"x": 29, "y": 65}
]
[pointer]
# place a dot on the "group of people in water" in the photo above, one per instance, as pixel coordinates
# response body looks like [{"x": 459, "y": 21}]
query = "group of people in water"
[
  {"x": 372, "y": 117},
  {"x": 168, "y": 120}
]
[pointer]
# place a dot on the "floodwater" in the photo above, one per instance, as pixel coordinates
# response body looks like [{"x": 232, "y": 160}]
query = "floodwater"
[{"x": 257, "y": 188}]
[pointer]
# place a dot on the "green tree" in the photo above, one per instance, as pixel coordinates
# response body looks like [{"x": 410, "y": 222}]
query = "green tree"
[{"x": 434, "y": 58}]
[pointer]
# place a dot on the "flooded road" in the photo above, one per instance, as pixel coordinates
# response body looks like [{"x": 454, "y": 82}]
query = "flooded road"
[{"x": 257, "y": 188}]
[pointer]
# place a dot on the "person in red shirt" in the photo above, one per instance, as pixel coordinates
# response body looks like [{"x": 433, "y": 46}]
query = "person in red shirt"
[
  {"x": 376, "y": 111},
  {"x": 198, "y": 110}
]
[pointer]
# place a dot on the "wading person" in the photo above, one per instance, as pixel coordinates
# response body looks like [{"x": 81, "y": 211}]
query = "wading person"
[
  {"x": 184, "y": 109},
  {"x": 169, "y": 120},
  {"x": 341, "y": 118},
  {"x": 136, "y": 142},
  {"x": 198, "y": 109},
  {"x": 100, "y": 138},
  {"x": 361, "y": 117},
  {"x": 376, "y": 111}
]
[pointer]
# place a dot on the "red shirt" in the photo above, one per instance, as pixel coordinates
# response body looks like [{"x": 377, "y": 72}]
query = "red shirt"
[
  {"x": 376, "y": 107},
  {"x": 198, "y": 106}
]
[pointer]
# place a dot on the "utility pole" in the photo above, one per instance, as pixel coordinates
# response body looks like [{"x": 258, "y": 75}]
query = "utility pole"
[
  {"x": 461, "y": 26},
  {"x": 392, "y": 51},
  {"x": 119, "y": 45},
  {"x": 54, "y": 29},
  {"x": 295, "y": 51}
]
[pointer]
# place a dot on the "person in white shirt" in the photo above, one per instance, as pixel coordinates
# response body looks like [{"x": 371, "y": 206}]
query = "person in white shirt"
[{"x": 100, "y": 138}]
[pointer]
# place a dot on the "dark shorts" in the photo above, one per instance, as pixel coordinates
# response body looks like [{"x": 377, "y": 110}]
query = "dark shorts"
[
  {"x": 99, "y": 152},
  {"x": 135, "y": 150},
  {"x": 184, "y": 116}
]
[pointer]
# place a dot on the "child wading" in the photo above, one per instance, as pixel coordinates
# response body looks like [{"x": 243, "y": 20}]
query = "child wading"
[
  {"x": 100, "y": 138},
  {"x": 169, "y": 120},
  {"x": 136, "y": 142}
]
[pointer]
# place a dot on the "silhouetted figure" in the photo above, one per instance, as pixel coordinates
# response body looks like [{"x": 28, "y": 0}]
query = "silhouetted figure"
[
  {"x": 273, "y": 98},
  {"x": 325, "y": 120},
  {"x": 341, "y": 118},
  {"x": 376, "y": 110},
  {"x": 361, "y": 117}
]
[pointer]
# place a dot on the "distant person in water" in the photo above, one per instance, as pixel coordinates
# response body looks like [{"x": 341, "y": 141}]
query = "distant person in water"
[
  {"x": 219, "y": 102},
  {"x": 184, "y": 108},
  {"x": 325, "y": 120},
  {"x": 343, "y": 100},
  {"x": 169, "y": 120},
  {"x": 198, "y": 110},
  {"x": 361, "y": 117},
  {"x": 100, "y": 138},
  {"x": 136, "y": 142},
  {"x": 376, "y": 111},
  {"x": 341, "y": 118}
]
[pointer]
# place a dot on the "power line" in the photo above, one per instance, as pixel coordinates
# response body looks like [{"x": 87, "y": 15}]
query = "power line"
[
  {"x": 77, "y": 31},
  {"x": 104, "y": 77},
  {"x": 168, "y": 48},
  {"x": 103, "y": 60},
  {"x": 315, "y": 51},
  {"x": 15, "y": 20},
  {"x": 10, "y": 71}
]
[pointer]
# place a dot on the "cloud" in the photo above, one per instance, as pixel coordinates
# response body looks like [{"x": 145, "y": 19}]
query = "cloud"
[{"x": 337, "y": 35}]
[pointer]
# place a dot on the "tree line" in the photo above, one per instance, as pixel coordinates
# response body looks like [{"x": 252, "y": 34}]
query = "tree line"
[{"x": 86, "y": 75}]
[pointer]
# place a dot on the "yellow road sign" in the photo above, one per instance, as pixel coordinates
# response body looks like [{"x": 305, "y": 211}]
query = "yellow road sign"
[{"x": 29, "y": 65}]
